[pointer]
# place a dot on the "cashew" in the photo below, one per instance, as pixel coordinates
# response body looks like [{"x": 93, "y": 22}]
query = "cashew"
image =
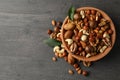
[
  {"x": 56, "y": 48},
  {"x": 58, "y": 34},
  {"x": 82, "y": 13},
  {"x": 69, "y": 41},
  {"x": 84, "y": 31},
  {"x": 61, "y": 51}
]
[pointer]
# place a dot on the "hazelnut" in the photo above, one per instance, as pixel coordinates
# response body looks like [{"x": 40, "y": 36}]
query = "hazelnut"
[
  {"x": 87, "y": 49},
  {"x": 49, "y": 31},
  {"x": 93, "y": 12},
  {"x": 85, "y": 19},
  {"x": 92, "y": 24},
  {"x": 76, "y": 65},
  {"x": 70, "y": 72},
  {"x": 77, "y": 16},
  {"x": 54, "y": 59},
  {"x": 57, "y": 29},
  {"x": 59, "y": 24},
  {"x": 53, "y": 22},
  {"x": 110, "y": 31},
  {"x": 80, "y": 49},
  {"x": 84, "y": 73},
  {"x": 88, "y": 12},
  {"x": 85, "y": 28}
]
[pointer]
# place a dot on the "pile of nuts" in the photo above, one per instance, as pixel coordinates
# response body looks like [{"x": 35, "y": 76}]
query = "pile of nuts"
[{"x": 87, "y": 35}]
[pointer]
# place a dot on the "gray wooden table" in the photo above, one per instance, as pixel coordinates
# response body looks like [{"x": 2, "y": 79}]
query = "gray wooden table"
[{"x": 23, "y": 26}]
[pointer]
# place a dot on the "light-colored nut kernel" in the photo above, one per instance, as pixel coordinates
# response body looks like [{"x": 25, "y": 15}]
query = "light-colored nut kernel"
[
  {"x": 61, "y": 51},
  {"x": 82, "y": 13},
  {"x": 84, "y": 37},
  {"x": 103, "y": 49},
  {"x": 88, "y": 55},
  {"x": 54, "y": 59},
  {"x": 56, "y": 48},
  {"x": 69, "y": 41},
  {"x": 106, "y": 35},
  {"x": 58, "y": 35},
  {"x": 70, "y": 72}
]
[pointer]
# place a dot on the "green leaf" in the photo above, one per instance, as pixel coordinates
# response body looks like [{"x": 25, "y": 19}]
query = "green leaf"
[
  {"x": 52, "y": 42},
  {"x": 71, "y": 12}
]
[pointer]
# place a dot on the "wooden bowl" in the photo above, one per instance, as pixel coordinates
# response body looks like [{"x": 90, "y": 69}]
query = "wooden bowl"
[{"x": 100, "y": 55}]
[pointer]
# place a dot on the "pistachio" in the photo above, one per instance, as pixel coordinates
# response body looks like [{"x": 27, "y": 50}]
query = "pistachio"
[
  {"x": 73, "y": 47},
  {"x": 69, "y": 26},
  {"x": 68, "y": 34}
]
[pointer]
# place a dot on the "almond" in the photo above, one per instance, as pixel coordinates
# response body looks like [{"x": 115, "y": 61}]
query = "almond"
[
  {"x": 68, "y": 34},
  {"x": 69, "y": 26}
]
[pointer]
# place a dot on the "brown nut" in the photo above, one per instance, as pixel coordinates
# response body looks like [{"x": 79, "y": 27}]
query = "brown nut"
[
  {"x": 76, "y": 65},
  {"x": 66, "y": 58},
  {"x": 77, "y": 16},
  {"x": 54, "y": 59},
  {"x": 93, "y": 12},
  {"x": 110, "y": 31},
  {"x": 88, "y": 12},
  {"x": 83, "y": 44},
  {"x": 70, "y": 72},
  {"x": 53, "y": 22},
  {"x": 84, "y": 73},
  {"x": 49, "y": 31},
  {"x": 57, "y": 29},
  {"x": 68, "y": 34},
  {"x": 58, "y": 23},
  {"x": 92, "y": 24},
  {"x": 79, "y": 71},
  {"x": 73, "y": 47},
  {"x": 71, "y": 60},
  {"x": 69, "y": 26}
]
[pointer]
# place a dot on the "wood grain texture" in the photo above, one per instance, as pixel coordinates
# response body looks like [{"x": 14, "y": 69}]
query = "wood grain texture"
[{"x": 24, "y": 56}]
